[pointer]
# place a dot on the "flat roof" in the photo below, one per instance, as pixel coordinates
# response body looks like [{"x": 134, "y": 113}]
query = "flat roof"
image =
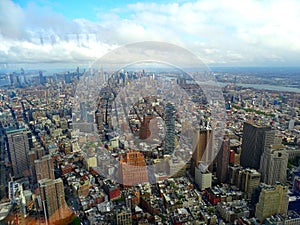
[{"x": 15, "y": 130}]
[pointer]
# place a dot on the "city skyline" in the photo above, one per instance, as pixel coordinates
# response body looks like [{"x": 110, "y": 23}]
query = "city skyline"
[
  {"x": 74, "y": 175},
  {"x": 150, "y": 112},
  {"x": 224, "y": 33}
]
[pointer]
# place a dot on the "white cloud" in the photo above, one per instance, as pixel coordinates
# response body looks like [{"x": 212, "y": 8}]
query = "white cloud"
[
  {"x": 12, "y": 19},
  {"x": 218, "y": 31}
]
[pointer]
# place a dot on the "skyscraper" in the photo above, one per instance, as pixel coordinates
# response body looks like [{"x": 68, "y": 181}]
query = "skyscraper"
[
  {"x": 99, "y": 118},
  {"x": 145, "y": 129},
  {"x": 170, "y": 129},
  {"x": 249, "y": 179},
  {"x": 272, "y": 200},
  {"x": 44, "y": 168},
  {"x": 223, "y": 160},
  {"x": 255, "y": 138},
  {"x": 203, "y": 149},
  {"x": 83, "y": 111},
  {"x": 133, "y": 169},
  {"x": 273, "y": 164},
  {"x": 53, "y": 199},
  {"x": 42, "y": 78},
  {"x": 203, "y": 179},
  {"x": 13, "y": 79},
  {"x": 18, "y": 148},
  {"x": 34, "y": 154}
]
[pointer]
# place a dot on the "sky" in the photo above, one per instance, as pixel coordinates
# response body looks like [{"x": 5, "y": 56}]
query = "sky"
[{"x": 219, "y": 32}]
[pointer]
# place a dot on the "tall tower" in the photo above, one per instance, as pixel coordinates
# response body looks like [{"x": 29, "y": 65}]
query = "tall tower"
[
  {"x": 273, "y": 164},
  {"x": 170, "y": 129},
  {"x": 99, "y": 118},
  {"x": 202, "y": 151},
  {"x": 42, "y": 78},
  {"x": 53, "y": 199},
  {"x": 249, "y": 179},
  {"x": 44, "y": 168},
  {"x": 145, "y": 129},
  {"x": 83, "y": 111},
  {"x": 272, "y": 200},
  {"x": 223, "y": 160},
  {"x": 18, "y": 148},
  {"x": 133, "y": 169},
  {"x": 255, "y": 138}
]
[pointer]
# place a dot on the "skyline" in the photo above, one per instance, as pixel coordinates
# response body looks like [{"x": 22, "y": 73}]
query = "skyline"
[{"x": 220, "y": 33}]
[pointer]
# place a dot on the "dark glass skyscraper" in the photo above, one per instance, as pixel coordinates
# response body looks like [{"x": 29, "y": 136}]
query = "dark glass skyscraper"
[
  {"x": 255, "y": 138},
  {"x": 170, "y": 129}
]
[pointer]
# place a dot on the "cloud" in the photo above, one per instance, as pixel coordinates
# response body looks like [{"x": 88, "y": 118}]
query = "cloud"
[
  {"x": 38, "y": 35},
  {"x": 218, "y": 31},
  {"x": 241, "y": 31},
  {"x": 12, "y": 19}
]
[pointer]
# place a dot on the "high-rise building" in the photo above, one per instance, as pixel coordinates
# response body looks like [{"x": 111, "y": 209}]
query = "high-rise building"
[
  {"x": 145, "y": 128},
  {"x": 232, "y": 157},
  {"x": 18, "y": 148},
  {"x": 99, "y": 118},
  {"x": 53, "y": 199},
  {"x": 223, "y": 160},
  {"x": 42, "y": 78},
  {"x": 248, "y": 181},
  {"x": 233, "y": 173},
  {"x": 34, "y": 154},
  {"x": 13, "y": 79},
  {"x": 83, "y": 111},
  {"x": 133, "y": 169},
  {"x": 272, "y": 200},
  {"x": 170, "y": 129},
  {"x": 273, "y": 164},
  {"x": 203, "y": 151},
  {"x": 270, "y": 138},
  {"x": 44, "y": 168},
  {"x": 255, "y": 138},
  {"x": 203, "y": 179}
]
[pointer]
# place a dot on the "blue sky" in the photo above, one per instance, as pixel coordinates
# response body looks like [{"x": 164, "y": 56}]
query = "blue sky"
[
  {"x": 87, "y": 9},
  {"x": 219, "y": 32},
  {"x": 77, "y": 9}
]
